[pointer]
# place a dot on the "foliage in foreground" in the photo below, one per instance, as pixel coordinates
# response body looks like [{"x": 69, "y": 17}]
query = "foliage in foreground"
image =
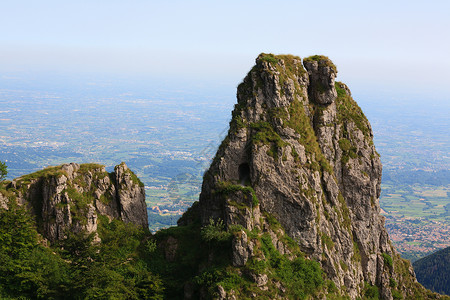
[{"x": 76, "y": 268}]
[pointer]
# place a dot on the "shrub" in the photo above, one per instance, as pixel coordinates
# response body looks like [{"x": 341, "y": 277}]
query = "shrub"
[
  {"x": 371, "y": 292},
  {"x": 215, "y": 232},
  {"x": 396, "y": 295},
  {"x": 392, "y": 282},
  {"x": 27, "y": 269},
  {"x": 345, "y": 144},
  {"x": 387, "y": 259}
]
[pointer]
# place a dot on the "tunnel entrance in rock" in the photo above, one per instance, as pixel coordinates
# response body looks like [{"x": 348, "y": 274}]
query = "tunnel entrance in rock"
[{"x": 244, "y": 174}]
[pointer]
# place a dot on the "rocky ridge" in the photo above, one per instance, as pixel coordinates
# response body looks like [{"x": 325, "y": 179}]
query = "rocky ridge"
[{"x": 70, "y": 197}]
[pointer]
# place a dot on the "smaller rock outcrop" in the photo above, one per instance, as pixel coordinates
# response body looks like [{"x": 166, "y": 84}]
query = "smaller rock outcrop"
[{"x": 70, "y": 197}]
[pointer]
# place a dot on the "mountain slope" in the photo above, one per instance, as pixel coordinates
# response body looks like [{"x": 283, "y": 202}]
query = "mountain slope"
[{"x": 433, "y": 271}]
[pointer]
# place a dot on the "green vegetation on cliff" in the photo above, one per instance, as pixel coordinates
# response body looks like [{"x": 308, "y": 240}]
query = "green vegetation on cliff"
[
  {"x": 349, "y": 110},
  {"x": 181, "y": 250},
  {"x": 265, "y": 134}
]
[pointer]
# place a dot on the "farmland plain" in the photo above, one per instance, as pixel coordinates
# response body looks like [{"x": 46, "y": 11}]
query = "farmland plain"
[{"x": 169, "y": 133}]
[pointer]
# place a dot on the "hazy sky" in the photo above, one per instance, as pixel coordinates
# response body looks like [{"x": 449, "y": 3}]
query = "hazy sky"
[{"x": 393, "y": 44}]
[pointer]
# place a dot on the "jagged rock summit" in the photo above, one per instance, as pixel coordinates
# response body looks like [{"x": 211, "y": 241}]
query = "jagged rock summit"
[
  {"x": 70, "y": 197},
  {"x": 300, "y": 153}
]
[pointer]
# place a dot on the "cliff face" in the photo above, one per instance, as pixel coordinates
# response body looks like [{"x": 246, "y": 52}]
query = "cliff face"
[
  {"x": 70, "y": 197},
  {"x": 301, "y": 151}
]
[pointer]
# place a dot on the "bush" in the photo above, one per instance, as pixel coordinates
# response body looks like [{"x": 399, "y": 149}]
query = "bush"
[
  {"x": 392, "y": 282},
  {"x": 387, "y": 259},
  {"x": 371, "y": 292},
  {"x": 345, "y": 144},
  {"x": 215, "y": 232},
  {"x": 396, "y": 295},
  {"x": 301, "y": 277}
]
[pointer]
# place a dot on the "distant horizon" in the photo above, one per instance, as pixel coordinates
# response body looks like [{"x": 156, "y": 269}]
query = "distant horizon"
[
  {"x": 105, "y": 81},
  {"x": 391, "y": 46}
]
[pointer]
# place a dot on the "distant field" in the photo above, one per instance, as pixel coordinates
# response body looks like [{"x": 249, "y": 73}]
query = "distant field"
[
  {"x": 417, "y": 217},
  {"x": 166, "y": 203},
  {"x": 417, "y": 201}
]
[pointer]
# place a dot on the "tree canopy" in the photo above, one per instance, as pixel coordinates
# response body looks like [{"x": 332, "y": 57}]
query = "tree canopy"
[{"x": 3, "y": 170}]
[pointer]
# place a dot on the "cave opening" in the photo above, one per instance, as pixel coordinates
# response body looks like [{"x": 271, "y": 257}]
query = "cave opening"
[{"x": 244, "y": 174}]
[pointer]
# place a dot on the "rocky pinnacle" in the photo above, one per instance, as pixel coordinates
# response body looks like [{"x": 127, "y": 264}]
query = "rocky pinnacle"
[{"x": 299, "y": 149}]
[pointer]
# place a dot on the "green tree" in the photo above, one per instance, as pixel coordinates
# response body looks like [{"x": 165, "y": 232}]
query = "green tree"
[
  {"x": 27, "y": 269},
  {"x": 3, "y": 170},
  {"x": 112, "y": 269}
]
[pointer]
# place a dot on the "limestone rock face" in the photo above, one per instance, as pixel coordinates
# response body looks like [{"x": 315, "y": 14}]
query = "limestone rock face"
[
  {"x": 300, "y": 150},
  {"x": 72, "y": 196},
  {"x": 131, "y": 194}
]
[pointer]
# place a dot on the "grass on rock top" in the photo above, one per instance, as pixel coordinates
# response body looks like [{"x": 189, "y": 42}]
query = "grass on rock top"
[
  {"x": 229, "y": 188},
  {"x": 47, "y": 172},
  {"x": 57, "y": 171},
  {"x": 323, "y": 61},
  {"x": 288, "y": 67}
]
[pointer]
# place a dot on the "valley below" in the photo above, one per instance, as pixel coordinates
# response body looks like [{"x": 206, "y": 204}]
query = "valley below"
[{"x": 169, "y": 137}]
